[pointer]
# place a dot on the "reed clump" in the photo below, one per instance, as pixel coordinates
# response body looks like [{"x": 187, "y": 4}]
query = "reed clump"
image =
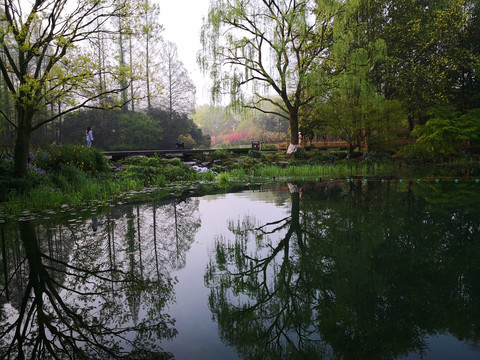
[{"x": 340, "y": 169}]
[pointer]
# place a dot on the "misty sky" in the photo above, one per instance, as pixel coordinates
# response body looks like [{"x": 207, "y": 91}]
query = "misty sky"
[{"x": 182, "y": 20}]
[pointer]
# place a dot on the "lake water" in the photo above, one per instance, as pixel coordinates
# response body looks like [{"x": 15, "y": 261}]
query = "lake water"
[{"x": 279, "y": 271}]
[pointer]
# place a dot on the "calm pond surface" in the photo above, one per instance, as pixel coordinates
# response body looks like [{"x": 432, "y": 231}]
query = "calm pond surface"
[{"x": 278, "y": 271}]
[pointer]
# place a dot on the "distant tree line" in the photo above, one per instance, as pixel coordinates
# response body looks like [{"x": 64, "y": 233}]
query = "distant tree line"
[{"x": 126, "y": 130}]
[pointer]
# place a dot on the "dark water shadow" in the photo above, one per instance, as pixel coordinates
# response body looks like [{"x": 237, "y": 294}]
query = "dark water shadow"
[{"x": 355, "y": 271}]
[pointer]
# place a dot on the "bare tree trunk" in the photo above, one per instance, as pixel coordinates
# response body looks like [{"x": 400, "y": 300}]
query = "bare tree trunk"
[
  {"x": 22, "y": 143},
  {"x": 147, "y": 57},
  {"x": 123, "y": 81}
]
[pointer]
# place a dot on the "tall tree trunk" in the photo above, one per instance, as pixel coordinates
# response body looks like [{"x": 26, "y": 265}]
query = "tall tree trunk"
[
  {"x": 132, "y": 93},
  {"x": 147, "y": 71},
  {"x": 22, "y": 143},
  {"x": 123, "y": 80},
  {"x": 293, "y": 131}
]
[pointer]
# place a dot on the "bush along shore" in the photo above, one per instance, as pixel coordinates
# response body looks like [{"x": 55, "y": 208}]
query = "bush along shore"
[{"x": 74, "y": 176}]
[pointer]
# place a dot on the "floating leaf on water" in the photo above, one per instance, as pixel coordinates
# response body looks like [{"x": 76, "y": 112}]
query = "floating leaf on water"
[{"x": 29, "y": 218}]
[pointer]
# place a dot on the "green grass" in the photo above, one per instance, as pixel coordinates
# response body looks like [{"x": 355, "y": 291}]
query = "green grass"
[
  {"x": 341, "y": 169},
  {"x": 48, "y": 197}
]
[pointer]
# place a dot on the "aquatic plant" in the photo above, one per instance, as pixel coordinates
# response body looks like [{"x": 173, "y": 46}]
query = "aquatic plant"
[
  {"x": 223, "y": 178},
  {"x": 341, "y": 169},
  {"x": 208, "y": 176}
]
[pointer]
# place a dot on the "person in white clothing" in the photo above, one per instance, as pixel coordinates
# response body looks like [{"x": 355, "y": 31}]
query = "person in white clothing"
[{"x": 89, "y": 137}]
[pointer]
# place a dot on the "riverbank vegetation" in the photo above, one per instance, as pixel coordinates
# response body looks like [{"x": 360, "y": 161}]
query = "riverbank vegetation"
[{"x": 76, "y": 176}]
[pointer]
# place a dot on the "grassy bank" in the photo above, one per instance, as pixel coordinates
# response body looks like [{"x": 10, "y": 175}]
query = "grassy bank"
[{"x": 71, "y": 176}]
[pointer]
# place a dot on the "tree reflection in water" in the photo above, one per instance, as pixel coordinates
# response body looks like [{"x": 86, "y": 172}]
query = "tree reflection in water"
[
  {"x": 71, "y": 292},
  {"x": 351, "y": 274}
]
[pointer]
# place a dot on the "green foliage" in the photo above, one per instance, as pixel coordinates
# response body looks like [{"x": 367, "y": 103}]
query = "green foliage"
[
  {"x": 419, "y": 151},
  {"x": 133, "y": 130},
  {"x": 85, "y": 159},
  {"x": 376, "y": 157},
  {"x": 208, "y": 176},
  {"x": 322, "y": 158},
  {"x": 431, "y": 56},
  {"x": 344, "y": 168},
  {"x": 447, "y": 130},
  {"x": 176, "y": 162},
  {"x": 148, "y": 175},
  {"x": 300, "y": 153},
  {"x": 241, "y": 32},
  {"x": 220, "y": 154},
  {"x": 269, "y": 147},
  {"x": 187, "y": 141},
  {"x": 153, "y": 161},
  {"x": 238, "y": 174},
  {"x": 254, "y": 154},
  {"x": 223, "y": 178},
  {"x": 69, "y": 178},
  {"x": 179, "y": 173},
  {"x": 215, "y": 120},
  {"x": 156, "y": 171},
  {"x": 123, "y": 130}
]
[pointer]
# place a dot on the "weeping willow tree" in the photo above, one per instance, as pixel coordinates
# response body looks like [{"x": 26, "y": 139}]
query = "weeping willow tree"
[
  {"x": 42, "y": 62},
  {"x": 274, "y": 50}
]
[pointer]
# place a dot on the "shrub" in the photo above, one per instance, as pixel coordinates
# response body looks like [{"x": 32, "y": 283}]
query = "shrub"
[
  {"x": 85, "y": 159},
  {"x": 176, "y": 162},
  {"x": 148, "y": 175},
  {"x": 322, "y": 158},
  {"x": 238, "y": 174},
  {"x": 375, "y": 156},
  {"x": 153, "y": 161},
  {"x": 300, "y": 153},
  {"x": 178, "y": 173},
  {"x": 220, "y": 154},
  {"x": 6, "y": 166},
  {"x": 254, "y": 153},
  {"x": 187, "y": 140},
  {"x": 223, "y": 178},
  {"x": 419, "y": 151},
  {"x": 68, "y": 177},
  {"x": 208, "y": 176},
  {"x": 269, "y": 147}
]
